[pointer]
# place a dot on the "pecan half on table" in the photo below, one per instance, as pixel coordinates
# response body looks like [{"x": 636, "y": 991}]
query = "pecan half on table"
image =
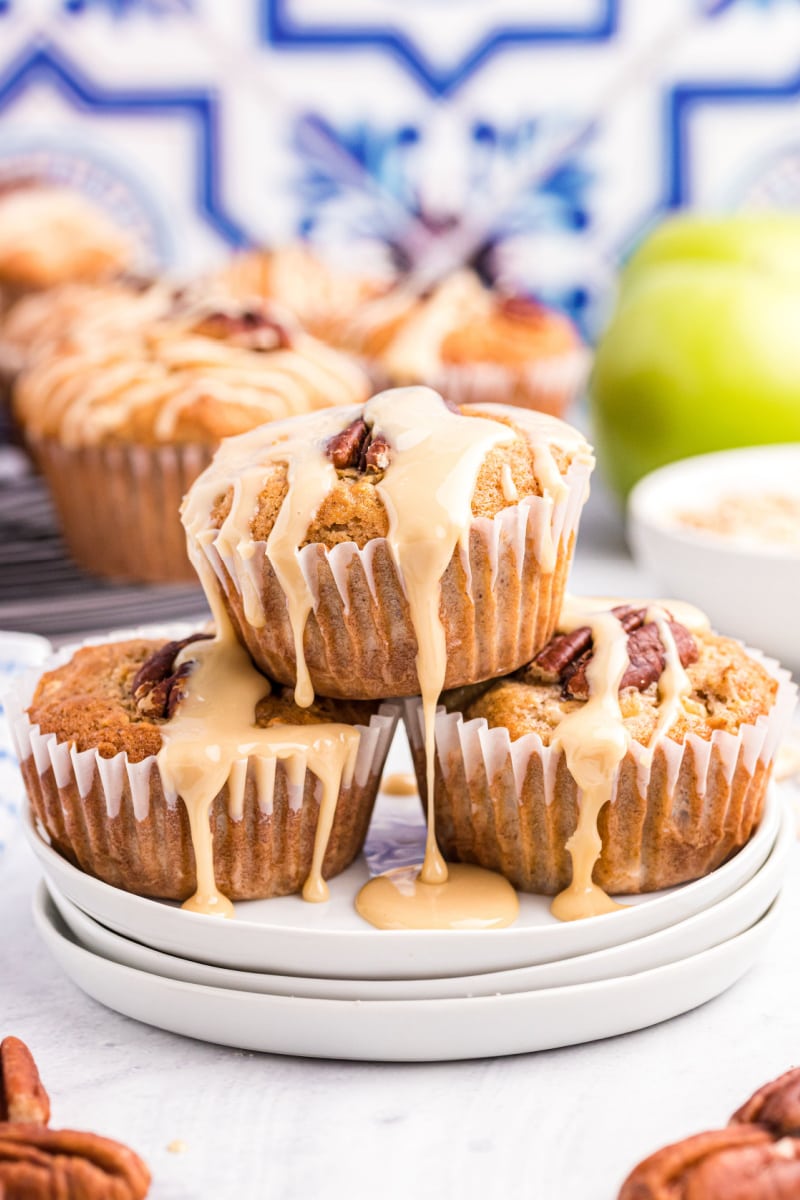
[
  {"x": 756, "y": 1158},
  {"x": 37, "y": 1163}
]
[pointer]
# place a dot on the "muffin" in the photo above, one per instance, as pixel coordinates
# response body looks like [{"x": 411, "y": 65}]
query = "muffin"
[
  {"x": 398, "y": 547},
  {"x": 122, "y": 424},
  {"x": 471, "y": 344},
  {"x": 91, "y": 733},
  {"x": 671, "y": 733},
  {"x": 50, "y": 234},
  {"x": 320, "y": 294}
]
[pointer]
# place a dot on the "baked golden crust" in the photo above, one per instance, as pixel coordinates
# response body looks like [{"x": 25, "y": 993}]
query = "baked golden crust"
[
  {"x": 354, "y": 510},
  {"x": 729, "y": 689},
  {"x": 89, "y": 703}
]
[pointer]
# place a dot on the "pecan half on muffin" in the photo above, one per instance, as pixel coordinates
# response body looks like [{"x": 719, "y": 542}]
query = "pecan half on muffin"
[
  {"x": 392, "y": 549},
  {"x": 666, "y": 734},
  {"x": 470, "y": 343},
  {"x": 121, "y": 424},
  {"x": 92, "y": 738}
]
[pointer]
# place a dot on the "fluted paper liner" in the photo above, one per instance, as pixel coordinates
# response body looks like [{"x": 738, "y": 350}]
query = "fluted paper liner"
[
  {"x": 512, "y": 806},
  {"x": 546, "y": 385},
  {"x": 498, "y": 606},
  {"x": 114, "y": 819},
  {"x": 119, "y": 506}
]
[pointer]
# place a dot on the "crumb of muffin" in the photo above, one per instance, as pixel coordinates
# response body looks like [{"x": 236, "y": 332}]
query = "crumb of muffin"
[{"x": 89, "y": 702}]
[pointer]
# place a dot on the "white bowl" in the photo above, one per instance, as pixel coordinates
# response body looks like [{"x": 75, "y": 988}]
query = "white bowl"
[{"x": 748, "y": 589}]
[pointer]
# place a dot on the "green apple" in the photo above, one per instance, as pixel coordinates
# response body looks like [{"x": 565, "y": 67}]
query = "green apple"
[{"x": 703, "y": 351}]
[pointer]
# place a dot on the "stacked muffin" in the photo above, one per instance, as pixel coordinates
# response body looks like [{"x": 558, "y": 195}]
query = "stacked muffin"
[{"x": 357, "y": 553}]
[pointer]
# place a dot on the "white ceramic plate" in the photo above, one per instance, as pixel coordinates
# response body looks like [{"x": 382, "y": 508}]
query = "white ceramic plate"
[
  {"x": 289, "y": 937},
  {"x": 708, "y": 928},
  {"x": 405, "y": 1030}
]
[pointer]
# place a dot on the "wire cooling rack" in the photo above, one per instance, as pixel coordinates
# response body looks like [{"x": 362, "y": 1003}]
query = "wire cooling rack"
[{"x": 43, "y": 591}]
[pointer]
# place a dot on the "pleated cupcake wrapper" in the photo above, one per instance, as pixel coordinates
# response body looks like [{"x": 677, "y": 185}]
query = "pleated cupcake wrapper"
[
  {"x": 119, "y": 505},
  {"x": 117, "y": 821},
  {"x": 498, "y": 606},
  {"x": 675, "y": 814},
  {"x": 546, "y": 384}
]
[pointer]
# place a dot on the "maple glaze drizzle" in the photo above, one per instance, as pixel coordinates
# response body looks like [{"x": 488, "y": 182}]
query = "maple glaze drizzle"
[
  {"x": 213, "y": 738},
  {"x": 595, "y": 740}
]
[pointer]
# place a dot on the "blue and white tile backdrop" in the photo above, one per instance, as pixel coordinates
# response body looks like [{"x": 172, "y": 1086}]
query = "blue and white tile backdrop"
[{"x": 541, "y": 136}]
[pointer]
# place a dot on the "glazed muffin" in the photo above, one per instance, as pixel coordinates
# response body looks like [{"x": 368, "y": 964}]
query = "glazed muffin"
[
  {"x": 356, "y": 548},
  {"x": 471, "y": 344},
  {"x": 50, "y": 234},
  {"x": 321, "y": 295},
  {"x": 122, "y": 424},
  {"x": 699, "y": 718},
  {"x": 90, "y": 732}
]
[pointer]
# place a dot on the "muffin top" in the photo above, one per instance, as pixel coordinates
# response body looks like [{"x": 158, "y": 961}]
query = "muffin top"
[
  {"x": 117, "y": 696},
  {"x": 517, "y": 455},
  {"x": 197, "y": 373},
  {"x": 50, "y": 234},
  {"x": 728, "y": 688},
  {"x": 323, "y": 296},
  {"x": 458, "y": 321},
  {"x": 72, "y": 315}
]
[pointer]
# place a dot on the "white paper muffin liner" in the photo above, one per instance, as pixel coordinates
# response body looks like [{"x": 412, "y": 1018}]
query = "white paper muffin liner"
[
  {"x": 675, "y": 814},
  {"x": 119, "y": 505},
  {"x": 115, "y": 820},
  {"x": 499, "y": 606}
]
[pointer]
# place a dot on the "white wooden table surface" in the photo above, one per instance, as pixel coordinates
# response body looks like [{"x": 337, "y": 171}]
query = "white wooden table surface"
[{"x": 564, "y": 1125}]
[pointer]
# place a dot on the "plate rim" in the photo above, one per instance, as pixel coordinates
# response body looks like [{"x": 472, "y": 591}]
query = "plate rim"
[
  {"x": 769, "y": 826},
  {"x": 165, "y": 963},
  {"x": 765, "y": 922}
]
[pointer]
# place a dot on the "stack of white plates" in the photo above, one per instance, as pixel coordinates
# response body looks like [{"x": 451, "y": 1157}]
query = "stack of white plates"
[{"x": 316, "y": 980}]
